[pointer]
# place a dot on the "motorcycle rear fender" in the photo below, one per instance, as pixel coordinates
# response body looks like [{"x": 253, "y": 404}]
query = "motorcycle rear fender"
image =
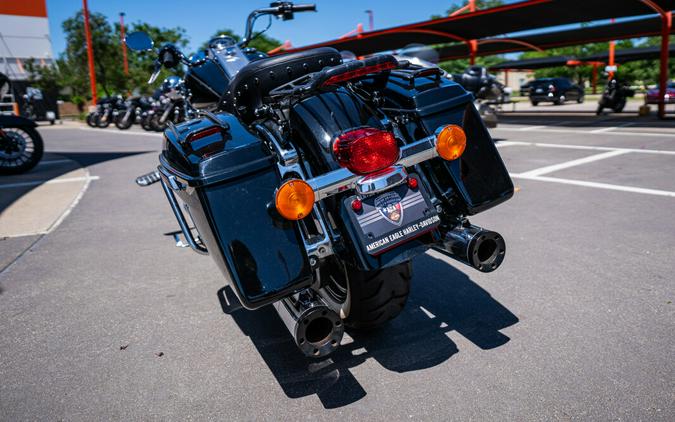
[
  {"x": 16, "y": 121},
  {"x": 316, "y": 121},
  {"x": 227, "y": 183}
]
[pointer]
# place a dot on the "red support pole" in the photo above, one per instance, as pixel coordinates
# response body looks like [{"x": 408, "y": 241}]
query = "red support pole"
[
  {"x": 666, "y": 24},
  {"x": 90, "y": 52},
  {"x": 473, "y": 43},
  {"x": 473, "y": 46},
  {"x": 124, "y": 45},
  {"x": 506, "y": 77},
  {"x": 611, "y": 57}
]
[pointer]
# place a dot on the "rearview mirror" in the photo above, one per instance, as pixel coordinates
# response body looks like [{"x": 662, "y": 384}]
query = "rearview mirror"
[{"x": 139, "y": 41}]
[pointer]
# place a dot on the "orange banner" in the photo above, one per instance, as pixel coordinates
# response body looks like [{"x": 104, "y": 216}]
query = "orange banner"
[{"x": 36, "y": 8}]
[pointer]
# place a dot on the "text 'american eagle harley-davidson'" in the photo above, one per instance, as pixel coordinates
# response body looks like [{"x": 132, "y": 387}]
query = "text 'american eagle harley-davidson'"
[{"x": 346, "y": 170}]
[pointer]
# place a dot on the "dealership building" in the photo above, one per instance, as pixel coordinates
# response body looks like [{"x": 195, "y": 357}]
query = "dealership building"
[{"x": 24, "y": 34}]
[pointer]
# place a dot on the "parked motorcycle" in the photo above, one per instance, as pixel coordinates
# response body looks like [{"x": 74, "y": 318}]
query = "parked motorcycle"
[
  {"x": 614, "y": 96},
  {"x": 482, "y": 101},
  {"x": 106, "y": 111},
  {"x": 21, "y": 146},
  {"x": 132, "y": 112},
  {"x": 174, "y": 104},
  {"x": 313, "y": 183}
]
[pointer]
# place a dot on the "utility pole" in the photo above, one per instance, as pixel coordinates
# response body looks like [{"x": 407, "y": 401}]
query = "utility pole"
[
  {"x": 124, "y": 45},
  {"x": 370, "y": 20},
  {"x": 90, "y": 52}
]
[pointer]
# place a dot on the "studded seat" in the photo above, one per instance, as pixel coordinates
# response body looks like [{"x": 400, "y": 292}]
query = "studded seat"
[{"x": 255, "y": 80}]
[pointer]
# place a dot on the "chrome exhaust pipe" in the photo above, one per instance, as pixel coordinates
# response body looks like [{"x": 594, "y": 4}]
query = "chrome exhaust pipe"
[
  {"x": 316, "y": 329},
  {"x": 474, "y": 246}
]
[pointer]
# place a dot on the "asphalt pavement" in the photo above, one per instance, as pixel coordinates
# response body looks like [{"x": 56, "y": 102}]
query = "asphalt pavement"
[{"x": 104, "y": 318}]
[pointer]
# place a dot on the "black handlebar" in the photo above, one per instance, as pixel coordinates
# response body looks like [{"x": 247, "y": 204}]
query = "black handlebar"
[
  {"x": 280, "y": 9},
  {"x": 310, "y": 7}
]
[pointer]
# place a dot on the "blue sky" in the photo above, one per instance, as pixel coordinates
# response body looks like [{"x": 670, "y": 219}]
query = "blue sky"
[{"x": 202, "y": 18}]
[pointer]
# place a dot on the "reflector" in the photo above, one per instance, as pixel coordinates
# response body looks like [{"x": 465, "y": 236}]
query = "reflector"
[
  {"x": 450, "y": 142},
  {"x": 334, "y": 80},
  {"x": 294, "y": 199}
]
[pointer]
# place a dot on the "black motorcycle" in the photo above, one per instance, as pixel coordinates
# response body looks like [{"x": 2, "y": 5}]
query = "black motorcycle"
[
  {"x": 483, "y": 85},
  {"x": 132, "y": 112},
  {"x": 614, "y": 96},
  {"x": 173, "y": 105},
  {"x": 21, "y": 146},
  {"x": 313, "y": 183},
  {"x": 107, "y": 109}
]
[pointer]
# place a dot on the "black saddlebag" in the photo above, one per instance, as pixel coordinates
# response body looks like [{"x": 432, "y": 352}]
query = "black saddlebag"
[
  {"x": 226, "y": 180},
  {"x": 478, "y": 180}
]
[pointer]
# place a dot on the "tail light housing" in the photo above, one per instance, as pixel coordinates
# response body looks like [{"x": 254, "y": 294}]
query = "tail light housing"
[{"x": 366, "y": 150}]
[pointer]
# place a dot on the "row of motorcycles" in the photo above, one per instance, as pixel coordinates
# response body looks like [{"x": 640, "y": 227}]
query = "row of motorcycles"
[{"x": 169, "y": 103}]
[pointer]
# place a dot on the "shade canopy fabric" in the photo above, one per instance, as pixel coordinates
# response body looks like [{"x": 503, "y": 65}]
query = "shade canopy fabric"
[
  {"x": 642, "y": 27},
  {"x": 510, "y": 18},
  {"x": 620, "y": 56}
]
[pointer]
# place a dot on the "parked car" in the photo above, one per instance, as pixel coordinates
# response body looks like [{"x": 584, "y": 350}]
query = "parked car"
[
  {"x": 653, "y": 94},
  {"x": 555, "y": 90}
]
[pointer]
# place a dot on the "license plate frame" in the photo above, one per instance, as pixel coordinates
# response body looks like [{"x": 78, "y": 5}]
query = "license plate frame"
[{"x": 393, "y": 217}]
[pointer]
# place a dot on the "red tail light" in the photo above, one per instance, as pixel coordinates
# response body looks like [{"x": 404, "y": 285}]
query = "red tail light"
[{"x": 366, "y": 150}]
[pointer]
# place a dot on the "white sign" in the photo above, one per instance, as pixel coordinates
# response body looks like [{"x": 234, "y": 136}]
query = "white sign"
[{"x": 610, "y": 68}]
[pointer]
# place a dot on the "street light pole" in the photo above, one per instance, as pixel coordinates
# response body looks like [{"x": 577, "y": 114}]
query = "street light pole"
[
  {"x": 90, "y": 52},
  {"x": 370, "y": 19},
  {"x": 124, "y": 45}
]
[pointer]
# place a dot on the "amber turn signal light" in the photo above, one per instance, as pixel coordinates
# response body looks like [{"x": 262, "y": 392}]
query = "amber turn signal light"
[
  {"x": 294, "y": 199},
  {"x": 450, "y": 142}
]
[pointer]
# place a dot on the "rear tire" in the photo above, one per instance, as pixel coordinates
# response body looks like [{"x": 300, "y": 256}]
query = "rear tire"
[
  {"x": 377, "y": 296},
  {"x": 535, "y": 103},
  {"x": 619, "y": 107}
]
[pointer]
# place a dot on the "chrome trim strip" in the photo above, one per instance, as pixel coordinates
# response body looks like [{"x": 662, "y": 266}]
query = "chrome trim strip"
[
  {"x": 338, "y": 180},
  {"x": 372, "y": 185}
]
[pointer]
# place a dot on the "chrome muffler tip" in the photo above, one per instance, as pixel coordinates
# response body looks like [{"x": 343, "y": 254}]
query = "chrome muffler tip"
[
  {"x": 481, "y": 249},
  {"x": 487, "y": 250},
  {"x": 317, "y": 330}
]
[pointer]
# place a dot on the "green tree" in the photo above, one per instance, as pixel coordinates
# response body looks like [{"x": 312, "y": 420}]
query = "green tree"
[
  {"x": 70, "y": 73},
  {"x": 480, "y": 4}
]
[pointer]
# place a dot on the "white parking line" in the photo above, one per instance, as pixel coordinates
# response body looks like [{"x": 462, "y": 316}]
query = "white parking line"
[
  {"x": 573, "y": 163},
  {"x": 596, "y": 185},
  {"x": 48, "y": 182},
  {"x": 610, "y": 128},
  {"x": 586, "y": 147},
  {"x": 537, "y": 129},
  {"x": 531, "y": 128},
  {"x": 121, "y": 132}
]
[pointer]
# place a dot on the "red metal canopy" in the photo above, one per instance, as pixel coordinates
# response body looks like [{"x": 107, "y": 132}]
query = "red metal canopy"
[
  {"x": 644, "y": 27},
  {"x": 515, "y": 17}
]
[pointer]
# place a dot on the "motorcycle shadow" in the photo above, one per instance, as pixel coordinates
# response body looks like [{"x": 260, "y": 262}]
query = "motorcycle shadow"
[{"x": 442, "y": 299}]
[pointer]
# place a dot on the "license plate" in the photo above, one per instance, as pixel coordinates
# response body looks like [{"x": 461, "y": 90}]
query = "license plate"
[
  {"x": 538, "y": 90},
  {"x": 391, "y": 218}
]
